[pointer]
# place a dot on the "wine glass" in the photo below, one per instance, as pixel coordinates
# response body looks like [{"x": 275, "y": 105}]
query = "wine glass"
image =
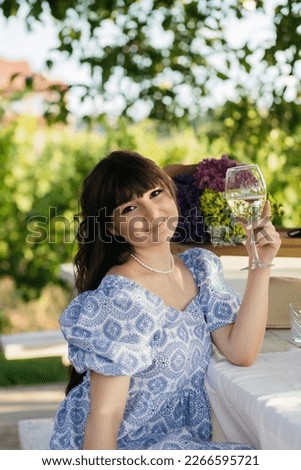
[{"x": 245, "y": 192}]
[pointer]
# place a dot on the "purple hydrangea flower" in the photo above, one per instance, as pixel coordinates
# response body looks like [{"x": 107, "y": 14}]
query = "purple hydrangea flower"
[
  {"x": 191, "y": 226},
  {"x": 211, "y": 172},
  {"x": 244, "y": 179}
]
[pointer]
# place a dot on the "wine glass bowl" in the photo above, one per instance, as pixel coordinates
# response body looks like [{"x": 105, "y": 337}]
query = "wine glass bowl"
[{"x": 245, "y": 192}]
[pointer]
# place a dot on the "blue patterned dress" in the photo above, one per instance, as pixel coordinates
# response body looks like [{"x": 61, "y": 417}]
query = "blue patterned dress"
[{"x": 123, "y": 329}]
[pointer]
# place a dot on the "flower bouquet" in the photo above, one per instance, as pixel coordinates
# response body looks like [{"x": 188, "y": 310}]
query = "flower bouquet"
[{"x": 204, "y": 212}]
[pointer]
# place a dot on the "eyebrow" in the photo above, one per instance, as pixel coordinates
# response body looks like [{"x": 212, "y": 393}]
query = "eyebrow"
[{"x": 134, "y": 199}]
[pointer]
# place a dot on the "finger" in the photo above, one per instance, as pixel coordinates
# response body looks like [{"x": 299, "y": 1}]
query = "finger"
[
  {"x": 263, "y": 237},
  {"x": 267, "y": 235},
  {"x": 266, "y": 231}
]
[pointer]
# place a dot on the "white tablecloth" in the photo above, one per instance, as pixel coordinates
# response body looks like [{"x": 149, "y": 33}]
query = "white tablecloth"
[
  {"x": 283, "y": 267},
  {"x": 259, "y": 405}
]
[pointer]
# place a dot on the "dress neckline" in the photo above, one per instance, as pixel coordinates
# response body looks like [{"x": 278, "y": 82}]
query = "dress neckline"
[
  {"x": 152, "y": 294},
  {"x": 149, "y": 292}
]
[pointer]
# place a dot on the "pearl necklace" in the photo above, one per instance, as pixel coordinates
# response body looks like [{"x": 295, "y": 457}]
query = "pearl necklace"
[{"x": 146, "y": 266}]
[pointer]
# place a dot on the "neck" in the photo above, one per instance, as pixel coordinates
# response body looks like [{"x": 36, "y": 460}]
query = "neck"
[{"x": 158, "y": 257}]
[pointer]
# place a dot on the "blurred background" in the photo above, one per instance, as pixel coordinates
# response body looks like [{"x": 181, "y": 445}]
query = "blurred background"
[{"x": 176, "y": 80}]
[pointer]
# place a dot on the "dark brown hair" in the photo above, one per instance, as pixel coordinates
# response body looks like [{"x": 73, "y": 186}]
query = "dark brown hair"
[{"x": 115, "y": 180}]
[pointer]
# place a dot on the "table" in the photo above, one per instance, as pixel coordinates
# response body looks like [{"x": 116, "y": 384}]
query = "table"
[
  {"x": 290, "y": 247},
  {"x": 259, "y": 405},
  {"x": 29, "y": 345}
]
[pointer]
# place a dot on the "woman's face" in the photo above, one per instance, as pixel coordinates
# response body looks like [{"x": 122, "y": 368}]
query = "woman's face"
[{"x": 147, "y": 220}]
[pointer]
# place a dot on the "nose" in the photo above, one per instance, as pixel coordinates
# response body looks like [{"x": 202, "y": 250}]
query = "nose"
[
  {"x": 152, "y": 214},
  {"x": 151, "y": 211}
]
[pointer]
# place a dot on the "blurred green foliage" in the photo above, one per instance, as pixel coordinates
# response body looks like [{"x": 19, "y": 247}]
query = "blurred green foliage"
[
  {"x": 40, "y": 178},
  {"x": 170, "y": 55},
  {"x": 217, "y": 213},
  {"x": 42, "y": 170}
]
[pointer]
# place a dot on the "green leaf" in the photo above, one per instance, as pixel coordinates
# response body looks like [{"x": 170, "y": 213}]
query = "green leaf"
[{"x": 222, "y": 76}]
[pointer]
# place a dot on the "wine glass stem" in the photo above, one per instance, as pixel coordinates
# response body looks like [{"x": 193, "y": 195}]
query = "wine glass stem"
[{"x": 255, "y": 256}]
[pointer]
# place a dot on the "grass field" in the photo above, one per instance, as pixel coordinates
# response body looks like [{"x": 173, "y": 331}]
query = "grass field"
[{"x": 31, "y": 371}]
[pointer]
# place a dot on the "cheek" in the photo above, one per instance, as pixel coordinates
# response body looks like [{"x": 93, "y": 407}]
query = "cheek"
[
  {"x": 136, "y": 223},
  {"x": 173, "y": 223},
  {"x": 175, "y": 217},
  {"x": 176, "y": 208},
  {"x": 173, "y": 209},
  {"x": 118, "y": 226},
  {"x": 172, "y": 213},
  {"x": 130, "y": 226}
]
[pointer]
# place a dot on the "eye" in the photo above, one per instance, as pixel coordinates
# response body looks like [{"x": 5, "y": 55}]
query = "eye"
[
  {"x": 128, "y": 209},
  {"x": 155, "y": 193}
]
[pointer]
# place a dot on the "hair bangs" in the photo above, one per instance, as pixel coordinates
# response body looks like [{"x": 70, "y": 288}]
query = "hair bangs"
[{"x": 128, "y": 186}]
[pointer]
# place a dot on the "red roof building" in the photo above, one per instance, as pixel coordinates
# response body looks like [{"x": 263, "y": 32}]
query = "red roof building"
[{"x": 26, "y": 91}]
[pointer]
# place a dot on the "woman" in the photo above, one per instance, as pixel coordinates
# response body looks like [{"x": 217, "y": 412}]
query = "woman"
[{"x": 140, "y": 331}]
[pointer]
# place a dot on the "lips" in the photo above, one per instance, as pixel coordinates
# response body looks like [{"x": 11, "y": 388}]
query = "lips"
[{"x": 153, "y": 229}]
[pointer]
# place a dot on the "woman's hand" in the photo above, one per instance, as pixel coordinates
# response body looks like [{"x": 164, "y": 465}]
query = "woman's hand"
[
  {"x": 240, "y": 342},
  {"x": 266, "y": 237}
]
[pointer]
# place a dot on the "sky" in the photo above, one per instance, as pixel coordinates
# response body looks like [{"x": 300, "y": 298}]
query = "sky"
[{"x": 16, "y": 43}]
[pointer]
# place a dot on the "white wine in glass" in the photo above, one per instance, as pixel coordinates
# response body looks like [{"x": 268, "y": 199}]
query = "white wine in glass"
[{"x": 245, "y": 192}]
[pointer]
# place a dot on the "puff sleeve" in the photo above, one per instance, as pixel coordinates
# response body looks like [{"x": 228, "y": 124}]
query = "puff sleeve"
[
  {"x": 219, "y": 302},
  {"x": 111, "y": 330}
]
